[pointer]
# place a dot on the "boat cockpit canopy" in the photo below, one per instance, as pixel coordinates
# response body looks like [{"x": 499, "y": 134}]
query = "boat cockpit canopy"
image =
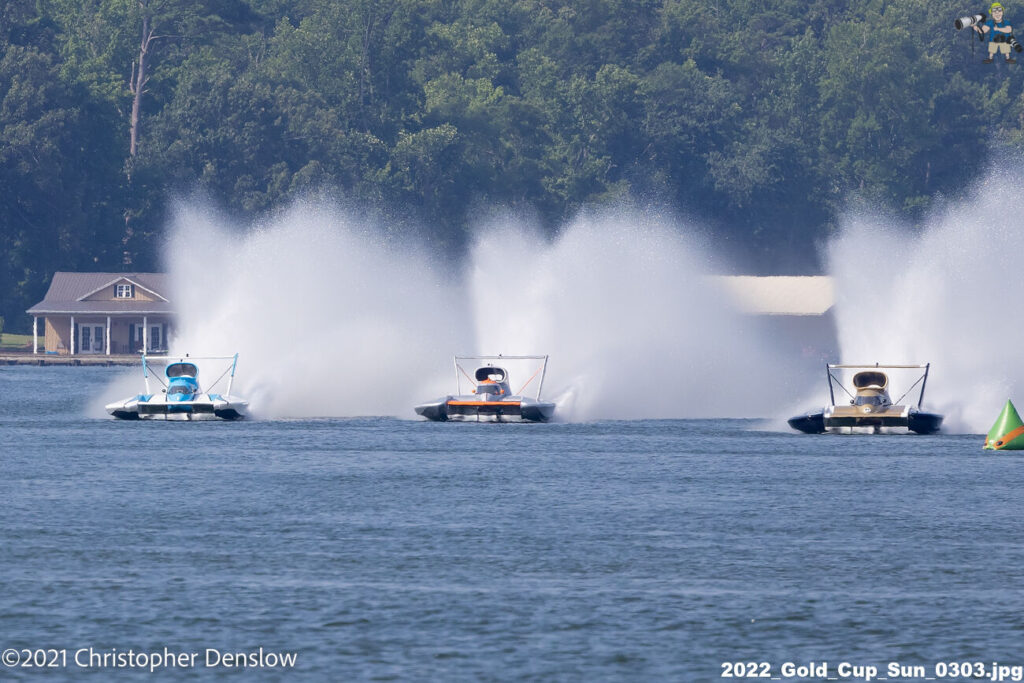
[
  {"x": 870, "y": 378},
  {"x": 491, "y": 373},
  {"x": 182, "y": 370}
]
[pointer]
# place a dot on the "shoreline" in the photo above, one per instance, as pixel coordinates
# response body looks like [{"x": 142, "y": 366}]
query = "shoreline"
[{"x": 80, "y": 360}]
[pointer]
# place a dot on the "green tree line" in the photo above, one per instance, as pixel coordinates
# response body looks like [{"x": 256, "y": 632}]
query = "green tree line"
[{"x": 759, "y": 119}]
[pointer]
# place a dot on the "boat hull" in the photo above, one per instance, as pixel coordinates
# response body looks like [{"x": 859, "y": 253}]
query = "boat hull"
[
  {"x": 811, "y": 423},
  {"x": 203, "y": 407},
  {"x": 474, "y": 409},
  {"x": 916, "y": 421},
  {"x": 921, "y": 422}
]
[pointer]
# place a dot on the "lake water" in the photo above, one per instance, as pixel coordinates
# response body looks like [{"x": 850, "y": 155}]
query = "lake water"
[{"x": 380, "y": 548}]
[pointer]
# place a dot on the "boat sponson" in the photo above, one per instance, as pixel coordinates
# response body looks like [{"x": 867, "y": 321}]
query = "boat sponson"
[
  {"x": 921, "y": 422},
  {"x": 811, "y": 423},
  {"x": 435, "y": 410},
  {"x": 537, "y": 411}
]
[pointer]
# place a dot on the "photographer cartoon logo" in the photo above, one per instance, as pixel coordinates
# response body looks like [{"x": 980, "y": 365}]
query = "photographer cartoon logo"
[{"x": 995, "y": 29}]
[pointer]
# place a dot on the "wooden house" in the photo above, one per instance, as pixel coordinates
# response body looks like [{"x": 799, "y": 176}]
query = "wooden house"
[{"x": 103, "y": 313}]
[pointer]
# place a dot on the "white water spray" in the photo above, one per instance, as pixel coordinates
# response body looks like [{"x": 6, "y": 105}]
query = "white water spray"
[
  {"x": 330, "y": 319},
  {"x": 634, "y": 325},
  {"x": 950, "y": 296}
]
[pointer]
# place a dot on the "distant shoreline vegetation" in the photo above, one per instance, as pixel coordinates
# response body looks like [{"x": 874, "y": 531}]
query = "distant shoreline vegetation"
[{"x": 759, "y": 122}]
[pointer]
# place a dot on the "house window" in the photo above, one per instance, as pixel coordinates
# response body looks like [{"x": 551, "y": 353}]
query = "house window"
[{"x": 124, "y": 292}]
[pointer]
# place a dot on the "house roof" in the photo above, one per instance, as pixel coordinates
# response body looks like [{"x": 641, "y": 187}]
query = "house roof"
[
  {"x": 780, "y": 295},
  {"x": 68, "y": 291}
]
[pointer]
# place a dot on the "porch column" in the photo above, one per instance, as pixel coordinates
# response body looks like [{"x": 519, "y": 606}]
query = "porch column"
[
  {"x": 108, "y": 335},
  {"x": 35, "y": 334},
  {"x": 71, "y": 351},
  {"x": 145, "y": 335}
]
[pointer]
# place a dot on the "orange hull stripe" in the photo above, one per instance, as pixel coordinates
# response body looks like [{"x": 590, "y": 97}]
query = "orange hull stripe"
[
  {"x": 510, "y": 404},
  {"x": 1008, "y": 437}
]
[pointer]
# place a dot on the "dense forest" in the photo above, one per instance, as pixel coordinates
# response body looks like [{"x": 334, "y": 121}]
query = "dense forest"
[{"x": 761, "y": 120}]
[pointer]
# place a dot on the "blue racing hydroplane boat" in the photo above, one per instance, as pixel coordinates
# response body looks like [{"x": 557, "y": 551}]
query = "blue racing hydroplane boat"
[{"x": 182, "y": 398}]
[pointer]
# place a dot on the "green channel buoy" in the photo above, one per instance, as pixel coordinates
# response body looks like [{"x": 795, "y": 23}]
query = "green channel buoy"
[{"x": 1007, "y": 434}]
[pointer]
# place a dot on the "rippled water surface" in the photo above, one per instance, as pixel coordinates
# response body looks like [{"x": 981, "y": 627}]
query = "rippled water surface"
[{"x": 384, "y": 548}]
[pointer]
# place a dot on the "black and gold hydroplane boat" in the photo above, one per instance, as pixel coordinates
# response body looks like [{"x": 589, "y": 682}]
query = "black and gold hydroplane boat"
[{"x": 870, "y": 406}]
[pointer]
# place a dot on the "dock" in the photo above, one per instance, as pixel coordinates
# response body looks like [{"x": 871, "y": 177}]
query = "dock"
[{"x": 79, "y": 360}]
